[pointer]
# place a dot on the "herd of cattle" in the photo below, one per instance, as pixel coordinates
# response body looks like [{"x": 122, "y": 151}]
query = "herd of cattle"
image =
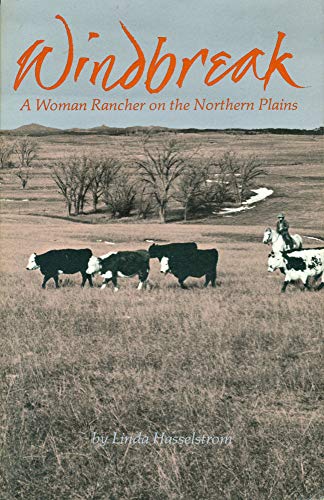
[
  {"x": 183, "y": 260},
  {"x": 180, "y": 259}
]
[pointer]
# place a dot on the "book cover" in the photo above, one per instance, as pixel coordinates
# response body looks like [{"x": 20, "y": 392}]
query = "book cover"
[{"x": 161, "y": 249}]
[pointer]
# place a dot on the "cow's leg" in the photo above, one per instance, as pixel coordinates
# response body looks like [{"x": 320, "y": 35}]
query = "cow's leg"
[
  {"x": 45, "y": 280},
  {"x": 114, "y": 280},
  {"x": 143, "y": 275},
  {"x": 84, "y": 279},
  {"x": 105, "y": 283},
  {"x": 207, "y": 280},
  {"x": 210, "y": 278},
  {"x": 284, "y": 286},
  {"x": 181, "y": 283},
  {"x": 89, "y": 277},
  {"x": 321, "y": 285},
  {"x": 56, "y": 280},
  {"x": 306, "y": 283}
]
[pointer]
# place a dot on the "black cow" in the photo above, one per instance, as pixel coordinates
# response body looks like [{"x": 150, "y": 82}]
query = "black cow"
[
  {"x": 181, "y": 249},
  {"x": 121, "y": 264},
  {"x": 67, "y": 261},
  {"x": 202, "y": 263}
]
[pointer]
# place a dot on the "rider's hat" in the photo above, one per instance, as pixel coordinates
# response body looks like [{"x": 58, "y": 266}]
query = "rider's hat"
[{"x": 281, "y": 216}]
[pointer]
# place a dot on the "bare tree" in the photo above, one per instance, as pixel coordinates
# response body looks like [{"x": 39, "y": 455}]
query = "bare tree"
[
  {"x": 26, "y": 151},
  {"x": 192, "y": 187},
  {"x": 239, "y": 173},
  {"x": 159, "y": 169},
  {"x": 103, "y": 172},
  {"x": 64, "y": 177},
  {"x": 84, "y": 181},
  {"x": 250, "y": 170},
  {"x": 73, "y": 177},
  {"x": 145, "y": 202},
  {"x": 6, "y": 151},
  {"x": 200, "y": 189},
  {"x": 120, "y": 198}
]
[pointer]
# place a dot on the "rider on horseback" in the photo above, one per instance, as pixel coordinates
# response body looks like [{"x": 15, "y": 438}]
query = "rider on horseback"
[{"x": 283, "y": 229}]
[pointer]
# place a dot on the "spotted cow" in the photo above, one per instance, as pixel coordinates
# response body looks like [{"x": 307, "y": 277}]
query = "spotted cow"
[
  {"x": 121, "y": 264},
  {"x": 299, "y": 265}
]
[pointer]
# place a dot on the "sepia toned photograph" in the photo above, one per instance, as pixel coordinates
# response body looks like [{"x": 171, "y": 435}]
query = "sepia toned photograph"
[{"x": 162, "y": 250}]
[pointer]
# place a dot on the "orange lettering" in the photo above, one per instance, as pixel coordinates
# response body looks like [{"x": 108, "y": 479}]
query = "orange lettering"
[
  {"x": 187, "y": 63},
  {"x": 251, "y": 59},
  {"x": 155, "y": 64},
  {"x": 97, "y": 67},
  {"x": 38, "y": 61},
  {"x": 216, "y": 63},
  {"x": 276, "y": 64},
  {"x": 132, "y": 75}
]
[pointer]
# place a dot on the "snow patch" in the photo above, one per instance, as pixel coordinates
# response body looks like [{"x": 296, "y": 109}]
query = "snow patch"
[
  {"x": 10, "y": 200},
  {"x": 226, "y": 211},
  {"x": 313, "y": 238},
  {"x": 260, "y": 194}
]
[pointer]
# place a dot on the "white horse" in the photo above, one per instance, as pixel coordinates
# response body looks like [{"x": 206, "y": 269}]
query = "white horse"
[{"x": 271, "y": 236}]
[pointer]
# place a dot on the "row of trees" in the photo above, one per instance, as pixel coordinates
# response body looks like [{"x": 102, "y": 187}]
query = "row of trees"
[{"x": 148, "y": 185}]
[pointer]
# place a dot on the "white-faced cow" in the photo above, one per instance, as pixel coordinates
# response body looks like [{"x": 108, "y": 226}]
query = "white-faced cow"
[
  {"x": 201, "y": 263},
  {"x": 123, "y": 265},
  {"x": 66, "y": 261},
  {"x": 298, "y": 265},
  {"x": 181, "y": 249}
]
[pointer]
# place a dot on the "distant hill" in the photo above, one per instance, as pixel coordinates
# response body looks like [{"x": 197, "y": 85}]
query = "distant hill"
[{"x": 35, "y": 130}]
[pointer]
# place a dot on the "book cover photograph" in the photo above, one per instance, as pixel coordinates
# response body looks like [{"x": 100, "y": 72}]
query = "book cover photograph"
[{"x": 162, "y": 250}]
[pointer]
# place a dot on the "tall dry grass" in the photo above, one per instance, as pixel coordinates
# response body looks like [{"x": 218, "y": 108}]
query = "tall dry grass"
[{"x": 241, "y": 360}]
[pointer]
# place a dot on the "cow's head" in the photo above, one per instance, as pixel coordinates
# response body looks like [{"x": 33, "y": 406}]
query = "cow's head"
[
  {"x": 32, "y": 264},
  {"x": 275, "y": 261},
  {"x": 94, "y": 265},
  {"x": 267, "y": 236},
  {"x": 164, "y": 265}
]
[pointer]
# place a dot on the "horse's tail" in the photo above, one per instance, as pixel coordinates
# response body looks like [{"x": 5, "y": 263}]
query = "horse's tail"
[{"x": 299, "y": 241}]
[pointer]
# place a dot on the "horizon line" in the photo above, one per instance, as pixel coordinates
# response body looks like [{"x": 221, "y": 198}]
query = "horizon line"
[{"x": 161, "y": 126}]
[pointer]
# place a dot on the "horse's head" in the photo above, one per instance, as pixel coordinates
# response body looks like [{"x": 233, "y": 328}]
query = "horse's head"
[{"x": 267, "y": 236}]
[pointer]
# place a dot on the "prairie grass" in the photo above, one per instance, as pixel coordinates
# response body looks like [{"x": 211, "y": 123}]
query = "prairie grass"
[{"x": 241, "y": 360}]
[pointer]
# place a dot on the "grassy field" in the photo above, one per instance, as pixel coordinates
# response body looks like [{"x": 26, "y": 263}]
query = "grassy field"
[{"x": 240, "y": 360}]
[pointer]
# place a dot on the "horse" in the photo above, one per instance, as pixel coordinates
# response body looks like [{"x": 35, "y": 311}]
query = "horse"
[{"x": 271, "y": 236}]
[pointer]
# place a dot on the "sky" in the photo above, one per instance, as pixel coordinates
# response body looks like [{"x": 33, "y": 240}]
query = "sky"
[{"x": 234, "y": 26}]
